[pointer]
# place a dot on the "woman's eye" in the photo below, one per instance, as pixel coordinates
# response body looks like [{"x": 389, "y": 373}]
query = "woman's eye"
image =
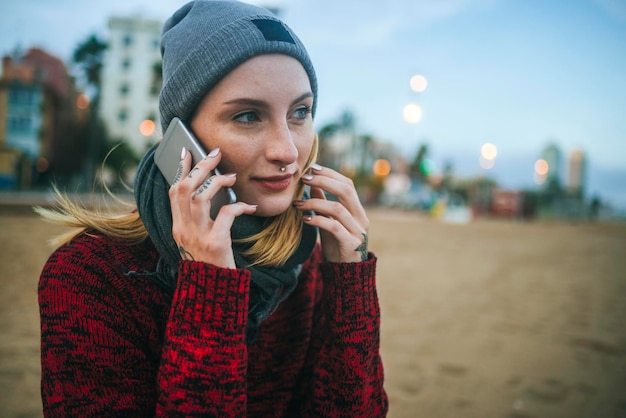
[
  {"x": 302, "y": 112},
  {"x": 247, "y": 117}
]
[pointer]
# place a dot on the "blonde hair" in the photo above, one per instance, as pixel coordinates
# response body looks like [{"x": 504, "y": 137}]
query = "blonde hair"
[
  {"x": 285, "y": 228},
  {"x": 272, "y": 246}
]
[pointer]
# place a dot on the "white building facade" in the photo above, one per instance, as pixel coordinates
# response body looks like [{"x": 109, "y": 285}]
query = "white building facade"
[{"x": 131, "y": 81}]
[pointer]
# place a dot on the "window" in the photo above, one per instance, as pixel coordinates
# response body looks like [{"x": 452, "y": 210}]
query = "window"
[
  {"x": 122, "y": 115},
  {"x": 127, "y": 40},
  {"x": 20, "y": 124},
  {"x": 126, "y": 63},
  {"x": 22, "y": 96},
  {"x": 124, "y": 89}
]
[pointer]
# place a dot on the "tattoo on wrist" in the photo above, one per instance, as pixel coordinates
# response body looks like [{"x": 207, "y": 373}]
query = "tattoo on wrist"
[
  {"x": 184, "y": 254},
  {"x": 363, "y": 248}
]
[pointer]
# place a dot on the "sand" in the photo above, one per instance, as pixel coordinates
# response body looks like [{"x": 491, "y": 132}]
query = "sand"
[{"x": 501, "y": 319}]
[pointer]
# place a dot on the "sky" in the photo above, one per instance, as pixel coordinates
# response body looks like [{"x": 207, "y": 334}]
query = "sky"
[{"x": 521, "y": 74}]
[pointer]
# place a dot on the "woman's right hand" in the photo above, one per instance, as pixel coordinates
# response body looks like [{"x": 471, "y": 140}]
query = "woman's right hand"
[{"x": 197, "y": 236}]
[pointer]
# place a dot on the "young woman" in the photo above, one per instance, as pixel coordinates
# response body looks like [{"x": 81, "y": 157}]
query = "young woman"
[{"x": 166, "y": 311}]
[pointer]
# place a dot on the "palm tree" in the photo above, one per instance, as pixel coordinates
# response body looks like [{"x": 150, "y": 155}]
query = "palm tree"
[
  {"x": 88, "y": 59},
  {"x": 324, "y": 134}
]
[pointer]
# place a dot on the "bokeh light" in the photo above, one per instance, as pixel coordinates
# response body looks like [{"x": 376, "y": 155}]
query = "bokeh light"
[
  {"x": 42, "y": 164},
  {"x": 428, "y": 167},
  {"x": 541, "y": 167},
  {"x": 488, "y": 151},
  {"x": 418, "y": 83},
  {"x": 412, "y": 113},
  {"x": 488, "y": 154},
  {"x": 82, "y": 101},
  {"x": 381, "y": 168},
  {"x": 147, "y": 127}
]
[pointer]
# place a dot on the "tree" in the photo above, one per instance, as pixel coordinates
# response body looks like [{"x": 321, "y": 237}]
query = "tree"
[
  {"x": 88, "y": 60},
  {"x": 324, "y": 135},
  {"x": 416, "y": 169}
]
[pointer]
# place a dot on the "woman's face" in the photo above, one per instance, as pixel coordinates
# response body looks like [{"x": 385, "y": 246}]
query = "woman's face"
[{"x": 259, "y": 115}]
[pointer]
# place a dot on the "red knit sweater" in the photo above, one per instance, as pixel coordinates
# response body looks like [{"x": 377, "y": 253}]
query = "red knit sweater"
[{"x": 111, "y": 345}]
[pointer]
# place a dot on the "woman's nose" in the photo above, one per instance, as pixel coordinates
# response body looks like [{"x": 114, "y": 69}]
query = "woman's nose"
[{"x": 280, "y": 146}]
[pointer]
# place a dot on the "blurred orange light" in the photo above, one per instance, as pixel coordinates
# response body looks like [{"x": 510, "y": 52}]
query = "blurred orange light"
[
  {"x": 412, "y": 113},
  {"x": 146, "y": 127},
  {"x": 488, "y": 151},
  {"x": 541, "y": 167},
  {"x": 42, "y": 165},
  {"x": 82, "y": 102},
  {"x": 418, "y": 83},
  {"x": 381, "y": 168}
]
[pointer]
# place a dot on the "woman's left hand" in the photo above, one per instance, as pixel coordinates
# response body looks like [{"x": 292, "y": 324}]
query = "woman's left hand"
[{"x": 343, "y": 225}]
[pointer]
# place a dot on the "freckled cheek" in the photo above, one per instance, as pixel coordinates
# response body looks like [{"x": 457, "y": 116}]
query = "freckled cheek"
[
  {"x": 233, "y": 162},
  {"x": 304, "y": 150}
]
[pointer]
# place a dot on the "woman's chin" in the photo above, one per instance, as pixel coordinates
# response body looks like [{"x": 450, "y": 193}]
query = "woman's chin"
[{"x": 273, "y": 206}]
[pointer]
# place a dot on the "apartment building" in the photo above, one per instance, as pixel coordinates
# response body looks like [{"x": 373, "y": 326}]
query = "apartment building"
[{"x": 131, "y": 81}]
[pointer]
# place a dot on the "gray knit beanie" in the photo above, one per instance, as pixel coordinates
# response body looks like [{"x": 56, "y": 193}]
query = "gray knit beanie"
[{"x": 205, "y": 39}]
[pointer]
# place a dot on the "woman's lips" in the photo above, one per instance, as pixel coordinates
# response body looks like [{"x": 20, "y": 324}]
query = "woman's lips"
[{"x": 274, "y": 183}]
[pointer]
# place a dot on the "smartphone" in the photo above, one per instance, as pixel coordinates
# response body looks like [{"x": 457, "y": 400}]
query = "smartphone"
[{"x": 167, "y": 158}]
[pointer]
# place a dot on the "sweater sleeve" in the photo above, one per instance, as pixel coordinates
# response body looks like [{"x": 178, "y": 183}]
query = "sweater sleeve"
[
  {"x": 204, "y": 366},
  {"x": 103, "y": 348},
  {"x": 346, "y": 368}
]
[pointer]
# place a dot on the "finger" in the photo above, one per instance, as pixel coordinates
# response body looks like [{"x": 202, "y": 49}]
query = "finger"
[
  {"x": 183, "y": 166},
  {"x": 181, "y": 191},
  {"x": 317, "y": 193},
  {"x": 226, "y": 217},
  {"x": 179, "y": 211},
  {"x": 340, "y": 186},
  {"x": 329, "y": 172},
  {"x": 334, "y": 210},
  {"x": 348, "y": 245},
  {"x": 202, "y": 197},
  {"x": 202, "y": 169}
]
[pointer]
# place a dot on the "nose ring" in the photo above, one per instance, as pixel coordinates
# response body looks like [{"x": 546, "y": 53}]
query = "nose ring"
[{"x": 282, "y": 169}]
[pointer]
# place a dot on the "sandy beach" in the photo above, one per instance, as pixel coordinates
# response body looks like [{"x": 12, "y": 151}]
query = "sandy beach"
[{"x": 491, "y": 319}]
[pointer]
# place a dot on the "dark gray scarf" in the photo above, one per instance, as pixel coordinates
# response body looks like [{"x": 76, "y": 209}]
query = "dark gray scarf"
[{"x": 269, "y": 285}]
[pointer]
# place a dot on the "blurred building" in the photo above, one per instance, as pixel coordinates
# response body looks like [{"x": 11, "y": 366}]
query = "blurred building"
[
  {"x": 37, "y": 111},
  {"x": 131, "y": 81},
  {"x": 554, "y": 157},
  {"x": 576, "y": 174}
]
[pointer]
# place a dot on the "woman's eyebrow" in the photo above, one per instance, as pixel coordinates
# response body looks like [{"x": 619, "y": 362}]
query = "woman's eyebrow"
[
  {"x": 303, "y": 97},
  {"x": 247, "y": 101},
  {"x": 262, "y": 103}
]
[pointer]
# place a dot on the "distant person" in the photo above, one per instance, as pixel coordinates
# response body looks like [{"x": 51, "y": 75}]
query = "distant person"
[{"x": 163, "y": 310}]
